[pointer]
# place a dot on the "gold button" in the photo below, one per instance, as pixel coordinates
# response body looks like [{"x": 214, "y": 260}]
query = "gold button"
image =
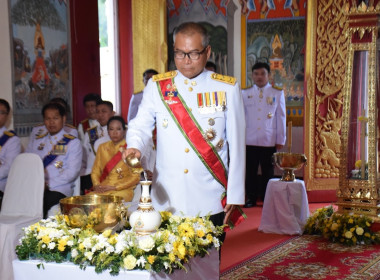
[
  {"x": 190, "y": 89},
  {"x": 187, "y": 150},
  {"x": 259, "y": 109},
  {"x": 259, "y": 128},
  {"x": 258, "y": 119},
  {"x": 186, "y": 171},
  {"x": 190, "y": 109}
]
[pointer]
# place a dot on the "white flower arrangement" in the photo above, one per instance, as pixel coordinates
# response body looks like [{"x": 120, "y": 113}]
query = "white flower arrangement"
[{"x": 176, "y": 241}]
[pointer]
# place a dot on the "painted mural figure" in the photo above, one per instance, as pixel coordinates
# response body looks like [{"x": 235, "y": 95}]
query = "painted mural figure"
[{"x": 40, "y": 76}]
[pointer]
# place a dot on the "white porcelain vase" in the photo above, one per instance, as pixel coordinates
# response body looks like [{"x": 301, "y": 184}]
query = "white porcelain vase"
[{"x": 145, "y": 220}]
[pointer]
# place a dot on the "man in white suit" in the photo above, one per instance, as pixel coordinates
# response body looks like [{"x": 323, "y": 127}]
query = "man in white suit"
[
  {"x": 200, "y": 134},
  {"x": 265, "y": 115}
]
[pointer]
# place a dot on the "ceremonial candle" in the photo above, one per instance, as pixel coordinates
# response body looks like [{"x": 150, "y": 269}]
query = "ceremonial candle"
[{"x": 289, "y": 136}]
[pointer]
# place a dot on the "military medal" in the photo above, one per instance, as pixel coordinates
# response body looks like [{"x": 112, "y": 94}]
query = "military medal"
[
  {"x": 119, "y": 171},
  {"x": 220, "y": 144},
  {"x": 270, "y": 100},
  {"x": 211, "y": 121},
  {"x": 41, "y": 146},
  {"x": 210, "y": 134},
  {"x": 270, "y": 115},
  {"x": 261, "y": 93},
  {"x": 58, "y": 164},
  {"x": 165, "y": 123},
  {"x": 210, "y": 102},
  {"x": 171, "y": 92},
  {"x": 59, "y": 149}
]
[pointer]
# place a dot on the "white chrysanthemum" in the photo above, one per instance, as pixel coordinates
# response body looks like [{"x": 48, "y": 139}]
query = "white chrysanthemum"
[
  {"x": 169, "y": 247},
  {"x": 51, "y": 245},
  {"x": 129, "y": 262},
  {"x": 146, "y": 243},
  {"x": 109, "y": 249},
  {"x": 74, "y": 253},
  {"x": 359, "y": 231},
  {"x": 43, "y": 246},
  {"x": 120, "y": 246},
  {"x": 141, "y": 262},
  {"x": 216, "y": 242},
  {"x": 88, "y": 255},
  {"x": 87, "y": 243},
  {"x": 161, "y": 249},
  {"x": 70, "y": 243},
  {"x": 167, "y": 265}
]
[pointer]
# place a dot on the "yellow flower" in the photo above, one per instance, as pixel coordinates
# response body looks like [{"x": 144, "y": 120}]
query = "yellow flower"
[
  {"x": 209, "y": 237},
  {"x": 62, "y": 244},
  {"x": 151, "y": 259},
  {"x": 334, "y": 226},
  {"x": 200, "y": 233},
  {"x": 185, "y": 229},
  {"x": 81, "y": 246},
  {"x": 367, "y": 234},
  {"x": 352, "y": 229},
  {"x": 367, "y": 224},
  {"x": 181, "y": 251},
  {"x": 354, "y": 239},
  {"x": 171, "y": 257},
  {"x": 358, "y": 164},
  {"x": 46, "y": 239},
  {"x": 348, "y": 234},
  {"x": 129, "y": 262},
  {"x": 107, "y": 233},
  {"x": 112, "y": 240},
  {"x": 350, "y": 221},
  {"x": 359, "y": 231}
]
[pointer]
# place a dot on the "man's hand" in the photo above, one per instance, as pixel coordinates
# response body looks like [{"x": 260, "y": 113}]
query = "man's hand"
[
  {"x": 130, "y": 151},
  {"x": 279, "y": 147},
  {"x": 228, "y": 209}
]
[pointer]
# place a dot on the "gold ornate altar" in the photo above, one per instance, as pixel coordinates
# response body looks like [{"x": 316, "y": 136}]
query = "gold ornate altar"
[{"x": 359, "y": 176}]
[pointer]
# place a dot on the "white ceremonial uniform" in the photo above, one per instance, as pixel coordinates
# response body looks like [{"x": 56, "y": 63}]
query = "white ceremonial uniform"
[
  {"x": 8, "y": 151},
  {"x": 81, "y": 133},
  {"x": 89, "y": 151},
  {"x": 61, "y": 173},
  {"x": 181, "y": 182},
  {"x": 41, "y": 129},
  {"x": 134, "y": 104},
  {"x": 265, "y": 117}
]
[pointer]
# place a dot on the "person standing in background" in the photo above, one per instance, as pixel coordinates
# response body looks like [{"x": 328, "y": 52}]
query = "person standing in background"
[
  {"x": 135, "y": 101},
  {"x": 265, "y": 115},
  {"x": 89, "y": 104}
]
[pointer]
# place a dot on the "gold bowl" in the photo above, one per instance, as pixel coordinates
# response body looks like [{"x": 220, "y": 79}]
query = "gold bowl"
[
  {"x": 134, "y": 164},
  {"x": 288, "y": 162},
  {"x": 100, "y": 212}
]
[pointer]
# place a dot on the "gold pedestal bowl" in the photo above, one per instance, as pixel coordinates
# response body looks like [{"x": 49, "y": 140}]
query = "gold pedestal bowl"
[
  {"x": 100, "y": 212},
  {"x": 289, "y": 162}
]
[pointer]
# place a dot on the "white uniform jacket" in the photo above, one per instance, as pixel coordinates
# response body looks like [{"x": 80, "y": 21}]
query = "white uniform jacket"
[
  {"x": 8, "y": 152},
  {"x": 265, "y": 116},
  {"x": 89, "y": 151},
  {"x": 181, "y": 182},
  {"x": 81, "y": 132},
  {"x": 61, "y": 173}
]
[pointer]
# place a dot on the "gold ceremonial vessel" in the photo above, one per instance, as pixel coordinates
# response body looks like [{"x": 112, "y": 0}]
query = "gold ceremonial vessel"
[
  {"x": 289, "y": 162},
  {"x": 100, "y": 212},
  {"x": 134, "y": 164}
]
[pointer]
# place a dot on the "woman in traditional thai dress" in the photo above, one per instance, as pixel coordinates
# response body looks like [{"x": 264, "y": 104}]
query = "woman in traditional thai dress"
[{"x": 110, "y": 175}]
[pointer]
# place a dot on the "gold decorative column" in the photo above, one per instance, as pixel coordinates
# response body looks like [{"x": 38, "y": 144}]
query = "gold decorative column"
[
  {"x": 149, "y": 39},
  {"x": 324, "y": 73},
  {"x": 359, "y": 176}
]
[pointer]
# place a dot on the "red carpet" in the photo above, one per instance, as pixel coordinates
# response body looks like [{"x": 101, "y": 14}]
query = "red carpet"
[
  {"x": 307, "y": 258},
  {"x": 245, "y": 241}
]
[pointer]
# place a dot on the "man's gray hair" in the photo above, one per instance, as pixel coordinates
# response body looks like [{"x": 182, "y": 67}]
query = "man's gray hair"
[{"x": 189, "y": 29}]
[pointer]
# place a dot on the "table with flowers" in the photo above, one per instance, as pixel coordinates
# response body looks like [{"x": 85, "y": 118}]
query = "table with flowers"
[{"x": 182, "y": 248}]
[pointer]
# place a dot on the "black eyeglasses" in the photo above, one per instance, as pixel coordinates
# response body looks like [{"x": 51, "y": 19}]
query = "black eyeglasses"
[{"x": 194, "y": 55}]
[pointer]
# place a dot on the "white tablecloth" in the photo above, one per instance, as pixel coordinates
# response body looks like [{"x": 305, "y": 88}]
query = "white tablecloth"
[
  {"x": 206, "y": 268},
  {"x": 285, "y": 208}
]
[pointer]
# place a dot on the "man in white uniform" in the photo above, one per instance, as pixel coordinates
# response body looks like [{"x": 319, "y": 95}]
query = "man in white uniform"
[
  {"x": 200, "y": 133},
  {"x": 265, "y": 114},
  {"x": 10, "y": 146}
]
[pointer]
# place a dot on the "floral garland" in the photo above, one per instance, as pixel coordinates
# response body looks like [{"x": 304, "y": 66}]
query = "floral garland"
[
  {"x": 348, "y": 229},
  {"x": 175, "y": 242}
]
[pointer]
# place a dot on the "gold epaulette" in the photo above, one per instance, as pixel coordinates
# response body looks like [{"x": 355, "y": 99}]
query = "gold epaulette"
[
  {"x": 85, "y": 120},
  {"x": 69, "y": 136},
  {"x": 41, "y": 135},
  {"x": 222, "y": 78},
  {"x": 164, "y": 76},
  {"x": 9, "y": 133},
  {"x": 277, "y": 87},
  {"x": 39, "y": 124},
  {"x": 91, "y": 128},
  {"x": 70, "y": 125}
]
